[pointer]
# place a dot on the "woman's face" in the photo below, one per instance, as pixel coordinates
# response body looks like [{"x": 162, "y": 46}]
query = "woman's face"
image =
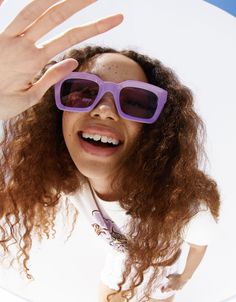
[{"x": 102, "y": 162}]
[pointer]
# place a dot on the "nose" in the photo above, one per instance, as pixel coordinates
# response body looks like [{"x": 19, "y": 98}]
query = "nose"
[{"x": 106, "y": 108}]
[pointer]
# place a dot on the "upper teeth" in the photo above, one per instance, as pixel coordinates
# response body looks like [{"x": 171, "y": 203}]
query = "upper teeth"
[{"x": 103, "y": 138}]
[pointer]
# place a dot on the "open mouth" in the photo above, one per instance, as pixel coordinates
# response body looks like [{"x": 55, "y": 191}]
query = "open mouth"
[{"x": 98, "y": 143}]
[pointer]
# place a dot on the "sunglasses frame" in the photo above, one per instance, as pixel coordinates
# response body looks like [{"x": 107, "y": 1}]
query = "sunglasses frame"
[{"x": 114, "y": 89}]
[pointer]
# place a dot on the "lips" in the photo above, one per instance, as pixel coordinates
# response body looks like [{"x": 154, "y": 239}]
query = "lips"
[
  {"x": 103, "y": 130},
  {"x": 97, "y": 150},
  {"x": 101, "y": 151}
]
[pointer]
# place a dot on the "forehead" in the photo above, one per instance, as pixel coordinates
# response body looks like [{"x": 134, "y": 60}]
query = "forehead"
[{"x": 116, "y": 68}]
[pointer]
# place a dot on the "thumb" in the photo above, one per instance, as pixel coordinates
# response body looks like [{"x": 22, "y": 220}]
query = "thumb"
[{"x": 54, "y": 74}]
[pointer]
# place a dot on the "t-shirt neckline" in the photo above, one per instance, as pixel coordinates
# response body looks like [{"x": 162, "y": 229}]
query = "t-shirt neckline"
[{"x": 107, "y": 203}]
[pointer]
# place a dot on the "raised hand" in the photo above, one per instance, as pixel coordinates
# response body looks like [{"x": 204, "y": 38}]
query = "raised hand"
[{"x": 21, "y": 59}]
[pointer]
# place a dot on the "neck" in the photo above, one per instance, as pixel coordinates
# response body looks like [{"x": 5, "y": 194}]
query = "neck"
[{"x": 103, "y": 190}]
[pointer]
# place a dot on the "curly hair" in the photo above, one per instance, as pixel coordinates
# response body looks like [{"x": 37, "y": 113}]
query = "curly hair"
[{"x": 161, "y": 192}]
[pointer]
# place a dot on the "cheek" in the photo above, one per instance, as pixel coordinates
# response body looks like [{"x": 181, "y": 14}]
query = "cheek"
[
  {"x": 65, "y": 124},
  {"x": 70, "y": 122},
  {"x": 134, "y": 130}
]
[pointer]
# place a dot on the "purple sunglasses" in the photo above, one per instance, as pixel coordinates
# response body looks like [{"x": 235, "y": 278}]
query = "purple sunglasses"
[{"x": 135, "y": 100}]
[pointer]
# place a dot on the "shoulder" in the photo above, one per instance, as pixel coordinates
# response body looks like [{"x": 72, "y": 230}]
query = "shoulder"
[{"x": 202, "y": 228}]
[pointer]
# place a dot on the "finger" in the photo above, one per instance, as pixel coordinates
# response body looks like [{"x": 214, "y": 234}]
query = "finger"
[
  {"x": 27, "y": 16},
  {"x": 1, "y": 1},
  {"x": 79, "y": 34},
  {"x": 170, "y": 276},
  {"x": 54, "y": 74},
  {"x": 54, "y": 16},
  {"x": 165, "y": 289}
]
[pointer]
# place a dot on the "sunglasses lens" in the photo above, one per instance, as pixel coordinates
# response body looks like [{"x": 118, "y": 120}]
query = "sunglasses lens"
[
  {"x": 138, "y": 102},
  {"x": 78, "y": 93}
]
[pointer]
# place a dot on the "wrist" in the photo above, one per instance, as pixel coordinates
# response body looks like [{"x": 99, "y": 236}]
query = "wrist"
[{"x": 185, "y": 277}]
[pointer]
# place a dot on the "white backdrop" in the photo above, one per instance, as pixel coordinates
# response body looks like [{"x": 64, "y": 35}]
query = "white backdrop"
[{"x": 198, "y": 41}]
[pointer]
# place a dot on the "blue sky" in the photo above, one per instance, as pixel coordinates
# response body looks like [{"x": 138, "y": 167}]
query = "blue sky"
[{"x": 227, "y": 5}]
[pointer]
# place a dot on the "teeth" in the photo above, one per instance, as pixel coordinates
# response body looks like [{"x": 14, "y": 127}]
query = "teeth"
[{"x": 102, "y": 138}]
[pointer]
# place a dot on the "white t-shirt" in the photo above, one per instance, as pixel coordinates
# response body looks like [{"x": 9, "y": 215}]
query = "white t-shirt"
[{"x": 109, "y": 220}]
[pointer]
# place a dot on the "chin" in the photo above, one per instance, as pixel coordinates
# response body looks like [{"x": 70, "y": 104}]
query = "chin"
[{"x": 95, "y": 170}]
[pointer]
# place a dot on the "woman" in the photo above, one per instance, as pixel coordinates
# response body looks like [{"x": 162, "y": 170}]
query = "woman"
[{"x": 121, "y": 143}]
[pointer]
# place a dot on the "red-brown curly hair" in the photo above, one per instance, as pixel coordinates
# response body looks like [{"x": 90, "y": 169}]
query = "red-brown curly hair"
[{"x": 161, "y": 181}]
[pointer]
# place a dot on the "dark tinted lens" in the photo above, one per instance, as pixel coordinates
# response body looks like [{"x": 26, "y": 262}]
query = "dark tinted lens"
[
  {"x": 138, "y": 102},
  {"x": 78, "y": 93}
]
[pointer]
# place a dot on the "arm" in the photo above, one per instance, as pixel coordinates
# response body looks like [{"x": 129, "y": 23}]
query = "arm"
[
  {"x": 196, "y": 253},
  {"x": 195, "y": 256}
]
